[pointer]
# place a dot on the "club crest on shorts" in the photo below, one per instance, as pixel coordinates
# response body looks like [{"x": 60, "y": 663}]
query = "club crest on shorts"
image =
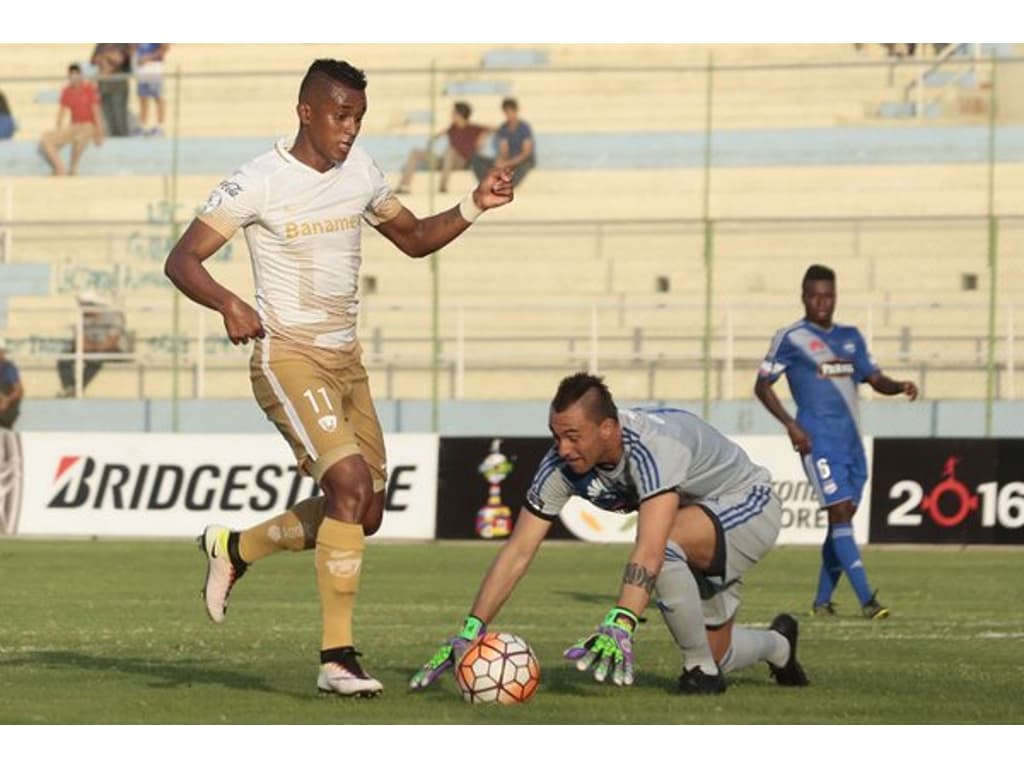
[{"x": 328, "y": 422}]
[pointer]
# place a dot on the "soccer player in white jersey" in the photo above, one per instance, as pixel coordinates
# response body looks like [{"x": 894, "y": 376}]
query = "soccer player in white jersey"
[
  {"x": 706, "y": 514},
  {"x": 302, "y": 206}
]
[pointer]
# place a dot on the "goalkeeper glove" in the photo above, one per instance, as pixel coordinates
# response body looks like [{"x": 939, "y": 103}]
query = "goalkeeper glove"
[
  {"x": 609, "y": 649},
  {"x": 448, "y": 653}
]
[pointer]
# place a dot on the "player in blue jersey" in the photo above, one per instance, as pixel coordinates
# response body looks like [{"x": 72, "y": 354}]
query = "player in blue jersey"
[
  {"x": 824, "y": 362},
  {"x": 705, "y": 514}
]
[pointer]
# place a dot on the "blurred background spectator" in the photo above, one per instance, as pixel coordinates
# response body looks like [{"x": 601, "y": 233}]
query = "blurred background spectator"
[
  {"x": 464, "y": 141},
  {"x": 7, "y": 124},
  {"x": 11, "y": 390},
  {"x": 113, "y": 63},
  {"x": 149, "y": 84},
  {"x": 79, "y": 102}
]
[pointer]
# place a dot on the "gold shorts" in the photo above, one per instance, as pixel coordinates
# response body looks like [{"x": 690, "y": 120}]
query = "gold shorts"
[
  {"x": 78, "y": 134},
  {"x": 319, "y": 399}
]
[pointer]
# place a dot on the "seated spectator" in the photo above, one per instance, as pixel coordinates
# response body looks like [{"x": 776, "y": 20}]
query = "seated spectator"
[
  {"x": 80, "y": 102},
  {"x": 7, "y": 124},
  {"x": 464, "y": 139},
  {"x": 515, "y": 146},
  {"x": 103, "y": 330},
  {"x": 899, "y": 50}
]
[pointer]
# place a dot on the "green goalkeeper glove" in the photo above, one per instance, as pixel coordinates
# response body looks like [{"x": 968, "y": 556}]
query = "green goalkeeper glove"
[
  {"x": 609, "y": 649},
  {"x": 448, "y": 654}
]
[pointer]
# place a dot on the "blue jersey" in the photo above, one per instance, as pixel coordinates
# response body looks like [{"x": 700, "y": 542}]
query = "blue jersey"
[{"x": 823, "y": 368}]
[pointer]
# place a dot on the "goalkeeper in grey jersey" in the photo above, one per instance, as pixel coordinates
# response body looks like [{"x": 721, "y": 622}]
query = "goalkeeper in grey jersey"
[{"x": 706, "y": 514}]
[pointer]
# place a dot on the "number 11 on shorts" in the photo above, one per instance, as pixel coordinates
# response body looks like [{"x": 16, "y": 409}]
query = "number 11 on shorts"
[{"x": 308, "y": 394}]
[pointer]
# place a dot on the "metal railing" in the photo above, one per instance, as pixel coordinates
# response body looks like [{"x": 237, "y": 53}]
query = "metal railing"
[
  {"x": 946, "y": 60},
  {"x": 652, "y": 340}
]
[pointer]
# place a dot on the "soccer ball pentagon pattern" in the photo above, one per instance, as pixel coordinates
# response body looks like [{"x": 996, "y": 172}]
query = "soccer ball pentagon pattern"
[{"x": 498, "y": 667}]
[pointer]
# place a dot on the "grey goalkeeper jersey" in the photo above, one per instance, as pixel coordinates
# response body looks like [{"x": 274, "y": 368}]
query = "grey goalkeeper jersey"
[{"x": 664, "y": 449}]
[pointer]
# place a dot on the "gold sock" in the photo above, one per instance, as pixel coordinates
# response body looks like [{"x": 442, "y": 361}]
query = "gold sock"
[
  {"x": 294, "y": 530},
  {"x": 339, "y": 560}
]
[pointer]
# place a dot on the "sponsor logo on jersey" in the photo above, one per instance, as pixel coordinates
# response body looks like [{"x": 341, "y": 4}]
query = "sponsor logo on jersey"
[
  {"x": 229, "y": 188},
  {"x": 328, "y": 423},
  {"x": 232, "y": 188},
  {"x": 835, "y": 369},
  {"x": 293, "y": 229},
  {"x": 849, "y": 347}
]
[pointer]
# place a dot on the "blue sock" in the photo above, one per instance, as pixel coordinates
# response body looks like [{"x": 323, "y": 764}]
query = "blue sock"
[
  {"x": 831, "y": 570},
  {"x": 848, "y": 553}
]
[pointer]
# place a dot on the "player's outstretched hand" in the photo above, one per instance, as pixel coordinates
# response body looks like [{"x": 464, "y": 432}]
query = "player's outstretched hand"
[
  {"x": 609, "y": 650},
  {"x": 448, "y": 654},
  {"x": 494, "y": 190},
  {"x": 909, "y": 388}
]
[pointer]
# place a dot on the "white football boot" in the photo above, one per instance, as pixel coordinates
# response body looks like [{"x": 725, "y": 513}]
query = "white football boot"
[
  {"x": 221, "y": 574},
  {"x": 347, "y": 678}
]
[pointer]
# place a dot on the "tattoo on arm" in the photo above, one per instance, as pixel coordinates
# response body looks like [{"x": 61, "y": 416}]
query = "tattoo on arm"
[{"x": 638, "y": 576}]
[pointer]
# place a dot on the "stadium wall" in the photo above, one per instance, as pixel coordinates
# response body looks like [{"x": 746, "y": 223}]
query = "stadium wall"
[{"x": 879, "y": 417}]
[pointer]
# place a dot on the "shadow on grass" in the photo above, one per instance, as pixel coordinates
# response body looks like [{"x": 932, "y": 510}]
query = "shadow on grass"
[
  {"x": 166, "y": 675},
  {"x": 592, "y": 598}
]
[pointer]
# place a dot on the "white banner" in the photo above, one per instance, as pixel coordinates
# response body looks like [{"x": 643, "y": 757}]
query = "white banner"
[
  {"x": 803, "y": 521},
  {"x": 168, "y": 485}
]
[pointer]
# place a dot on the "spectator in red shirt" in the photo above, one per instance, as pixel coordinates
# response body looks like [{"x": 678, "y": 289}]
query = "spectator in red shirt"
[
  {"x": 464, "y": 139},
  {"x": 80, "y": 102}
]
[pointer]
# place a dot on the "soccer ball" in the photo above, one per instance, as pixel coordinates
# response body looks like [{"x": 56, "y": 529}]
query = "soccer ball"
[{"x": 498, "y": 667}]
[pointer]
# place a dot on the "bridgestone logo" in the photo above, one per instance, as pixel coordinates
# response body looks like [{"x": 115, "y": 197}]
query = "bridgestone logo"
[
  {"x": 84, "y": 483},
  {"x": 835, "y": 369}
]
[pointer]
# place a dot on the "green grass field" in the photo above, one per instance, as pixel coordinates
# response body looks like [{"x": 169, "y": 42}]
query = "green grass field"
[{"x": 114, "y": 632}]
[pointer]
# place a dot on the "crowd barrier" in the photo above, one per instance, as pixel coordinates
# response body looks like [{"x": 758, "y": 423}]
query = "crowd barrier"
[{"x": 920, "y": 491}]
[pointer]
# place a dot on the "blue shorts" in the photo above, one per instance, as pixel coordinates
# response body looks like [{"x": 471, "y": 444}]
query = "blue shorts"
[
  {"x": 836, "y": 475},
  {"x": 150, "y": 87}
]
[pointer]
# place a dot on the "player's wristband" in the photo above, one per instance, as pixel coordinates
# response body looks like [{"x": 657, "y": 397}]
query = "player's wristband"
[
  {"x": 623, "y": 618},
  {"x": 468, "y": 209},
  {"x": 472, "y": 628}
]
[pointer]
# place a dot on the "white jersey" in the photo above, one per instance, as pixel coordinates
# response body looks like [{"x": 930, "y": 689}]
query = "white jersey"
[
  {"x": 304, "y": 232},
  {"x": 664, "y": 449}
]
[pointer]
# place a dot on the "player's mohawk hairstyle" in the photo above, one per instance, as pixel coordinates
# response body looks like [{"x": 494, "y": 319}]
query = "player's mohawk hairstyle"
[
  {"x": 332, "y": 69},
  {"x": 819, "y": 272},
  {"x": 591, "y": 389}
]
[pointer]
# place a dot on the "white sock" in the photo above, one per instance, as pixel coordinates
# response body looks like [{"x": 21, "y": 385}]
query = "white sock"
[
  {"x": 750, "y": 646},
  {"x": 680, "y": 604}
]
